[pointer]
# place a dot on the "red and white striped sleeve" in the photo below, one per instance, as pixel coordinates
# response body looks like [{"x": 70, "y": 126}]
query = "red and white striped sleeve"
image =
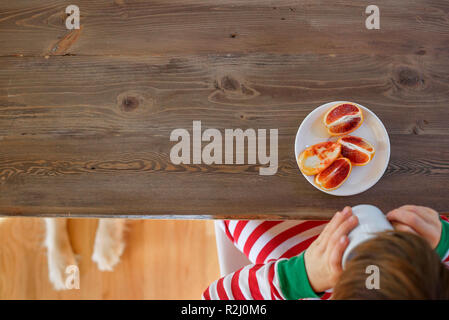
[
  {"x": 253, "y": 282},
  {"x": 282, "y": 279},
  {"x": 276, "y": 250}
]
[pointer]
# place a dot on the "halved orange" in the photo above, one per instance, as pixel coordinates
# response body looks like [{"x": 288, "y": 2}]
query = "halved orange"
[
  {"x": 343, "y": 118},
  {"x": 335, "y": 175},
  {"x": 318, "y": 157},
  {"x": 357, "y": 150}
]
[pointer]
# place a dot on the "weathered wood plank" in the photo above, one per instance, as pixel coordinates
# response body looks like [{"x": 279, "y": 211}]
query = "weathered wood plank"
[
  {"x": 131, "y": 27},
  {"x": 85, "y": 116},
  {"x": 66, "y": 96},
  {"x": 146, "y": 184},
  {"x": 90, "y": 135}
]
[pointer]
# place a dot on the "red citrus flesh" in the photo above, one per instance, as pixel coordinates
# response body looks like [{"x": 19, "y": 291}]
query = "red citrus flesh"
[
  {"x": 335, "y": 175},
  {"x": 343, "y": 118},
  {"x": 357, "y": 150},
  {"x": 318, "y": 157}
]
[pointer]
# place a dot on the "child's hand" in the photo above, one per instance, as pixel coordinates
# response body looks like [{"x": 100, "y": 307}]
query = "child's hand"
[
  {"x": 323, "y": 257},
  {"x": 422, "y": 221}
]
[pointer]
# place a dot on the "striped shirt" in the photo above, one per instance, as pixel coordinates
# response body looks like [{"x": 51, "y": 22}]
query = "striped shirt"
[{"x": 275, "y": 249}]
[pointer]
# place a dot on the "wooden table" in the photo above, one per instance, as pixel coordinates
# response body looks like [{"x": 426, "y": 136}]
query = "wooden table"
[{"x": 86, "y": 115}]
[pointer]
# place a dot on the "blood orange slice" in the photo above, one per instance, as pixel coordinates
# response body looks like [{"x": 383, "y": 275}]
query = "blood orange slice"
[
  {"x": 343, "y": 118},
  {"x": 357, "y": 150},
  {"x": 318, "y": 157},
  {"x": 335, "y": 175}
]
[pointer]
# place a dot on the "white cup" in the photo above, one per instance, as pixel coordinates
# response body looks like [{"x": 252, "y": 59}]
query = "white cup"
[{"x": 371, "y": 221}]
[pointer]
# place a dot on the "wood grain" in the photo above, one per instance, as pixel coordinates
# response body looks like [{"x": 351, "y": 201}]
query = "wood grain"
[
  {"x": 162, "y": 260},
  {"x": 85, "y": 118},
  {"x": 125, "y": 27}
]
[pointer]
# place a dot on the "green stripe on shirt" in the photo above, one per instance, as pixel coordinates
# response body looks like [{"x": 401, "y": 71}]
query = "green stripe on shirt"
[
  {"x": 293, "y": 279},
  {"x": 443, "y": 246}
]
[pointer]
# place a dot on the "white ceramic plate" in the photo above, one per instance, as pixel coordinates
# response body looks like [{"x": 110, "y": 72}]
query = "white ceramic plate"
[{"x": 312, "y": 131}]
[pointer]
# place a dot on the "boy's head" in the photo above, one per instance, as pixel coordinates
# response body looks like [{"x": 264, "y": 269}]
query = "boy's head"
[{"x": 408, "y": 269}]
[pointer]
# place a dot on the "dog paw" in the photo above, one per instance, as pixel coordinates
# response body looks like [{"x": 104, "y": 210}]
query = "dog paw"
[
  {"x": 58, "y": 261},
  {"x": 107, "y": 252}
]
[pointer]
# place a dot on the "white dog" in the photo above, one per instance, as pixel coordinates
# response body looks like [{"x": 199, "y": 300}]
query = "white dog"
[{"x": 108, "y": 247}]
